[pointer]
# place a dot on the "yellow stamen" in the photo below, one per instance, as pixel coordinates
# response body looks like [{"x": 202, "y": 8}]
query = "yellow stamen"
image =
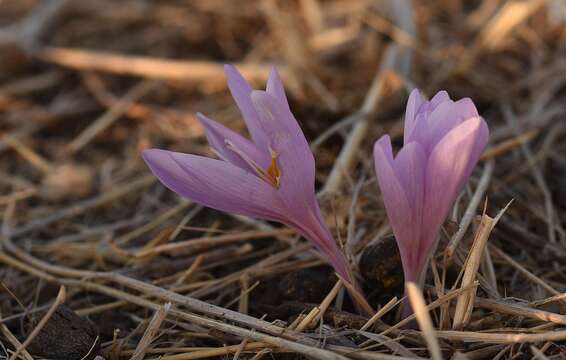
[{"x": 273, "y": 172}]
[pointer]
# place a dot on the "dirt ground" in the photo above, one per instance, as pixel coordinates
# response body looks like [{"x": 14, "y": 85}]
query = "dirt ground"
[{"x": 99, "y": 260}]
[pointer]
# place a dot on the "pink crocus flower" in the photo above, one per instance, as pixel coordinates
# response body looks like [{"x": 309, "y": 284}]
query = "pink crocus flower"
[
  {"x": 271, "y": 177},
  {"x": 442, "y": 144}
]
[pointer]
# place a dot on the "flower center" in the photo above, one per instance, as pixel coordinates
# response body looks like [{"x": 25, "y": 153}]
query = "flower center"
[{"x": 271, "y": 175}]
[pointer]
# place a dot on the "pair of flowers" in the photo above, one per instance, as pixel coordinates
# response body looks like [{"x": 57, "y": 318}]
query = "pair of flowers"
[{"x": 272, "y": 177}]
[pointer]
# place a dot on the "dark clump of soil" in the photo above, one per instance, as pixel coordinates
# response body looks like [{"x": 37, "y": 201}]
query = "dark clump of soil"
[
  {"x": 307, "y": 285},
  {"x": 302, "y": 288},
  {"x": 65, "y": 336},
  {"x": 382, "y": 271}
]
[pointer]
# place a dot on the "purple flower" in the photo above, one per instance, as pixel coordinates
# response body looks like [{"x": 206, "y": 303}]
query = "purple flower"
[
  {"x": 443, "y": 141},
  {"x": 270, "y": 177}
]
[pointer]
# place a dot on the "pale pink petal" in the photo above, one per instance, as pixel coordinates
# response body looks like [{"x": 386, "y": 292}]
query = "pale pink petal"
[
  {"x": 294, "y": 156},
  {"x": 241, "y": 92},
  {"x": 409, "y": 166},
  {"x": 215, "y": 183},
  {"x": 398, "y": 206},
  {"x": 275, "y": 87},
  {"x": 446, "y": 116},
  {"x": 447, "y": 170},
  {"x": 313, "y": 227},
  {"x": 413, "y": 105},
  {"x": 439, "y": 98},
  {"x": 218, "y": 135},
  {"x": 480, "y": 145}
]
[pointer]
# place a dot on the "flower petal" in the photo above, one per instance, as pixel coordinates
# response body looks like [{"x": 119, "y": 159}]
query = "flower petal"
[
  {"x": 480, "y": 145},
  {"x": 439, "y": 98},
  {"x": 409, "y": 166},
  {"x": 413, "y": 104},
  {"x": 215, "y": 183},
  {"x": 297, "y": 167},
  {"x": 294, "y": 156},
  {"x": 313, "y": 228},
  {"x": 449, "y": 166},
  {"x": 241, "y": 92},
  {"x": 396, "y": 202},
  {"x": 217, "y": 135},
  {"x": 275, "y": 87},
  {"x": 446, "y": 116}
]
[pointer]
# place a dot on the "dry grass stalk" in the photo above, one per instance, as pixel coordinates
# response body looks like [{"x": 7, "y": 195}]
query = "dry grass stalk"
[
  {"x": 496, "y": 31},
  {"x": 508, "y": 17},
  {"x": 243, "y": 302},
  {"x": 517, "y": 310},
  {"x": 87, "y": 60},
  {"x": 538, "y": 354},
  {"x": 502, "y": 338},
  {"x": 508, "y": 145},
  {"x": 204, "y": 242},
  {"x": 326, "y": 303},
  {"x": 309, "y": 320},
  {"x": 150, "y": 332},
  {"x": 433, "y": 305},
  {"x": 203, "y": 354},
  {"x": 12, "y": 339},
  {"x": 379, "y": 314},
  {"x": 423, "y": 318},
  {"x": 464, "y": 305}
]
